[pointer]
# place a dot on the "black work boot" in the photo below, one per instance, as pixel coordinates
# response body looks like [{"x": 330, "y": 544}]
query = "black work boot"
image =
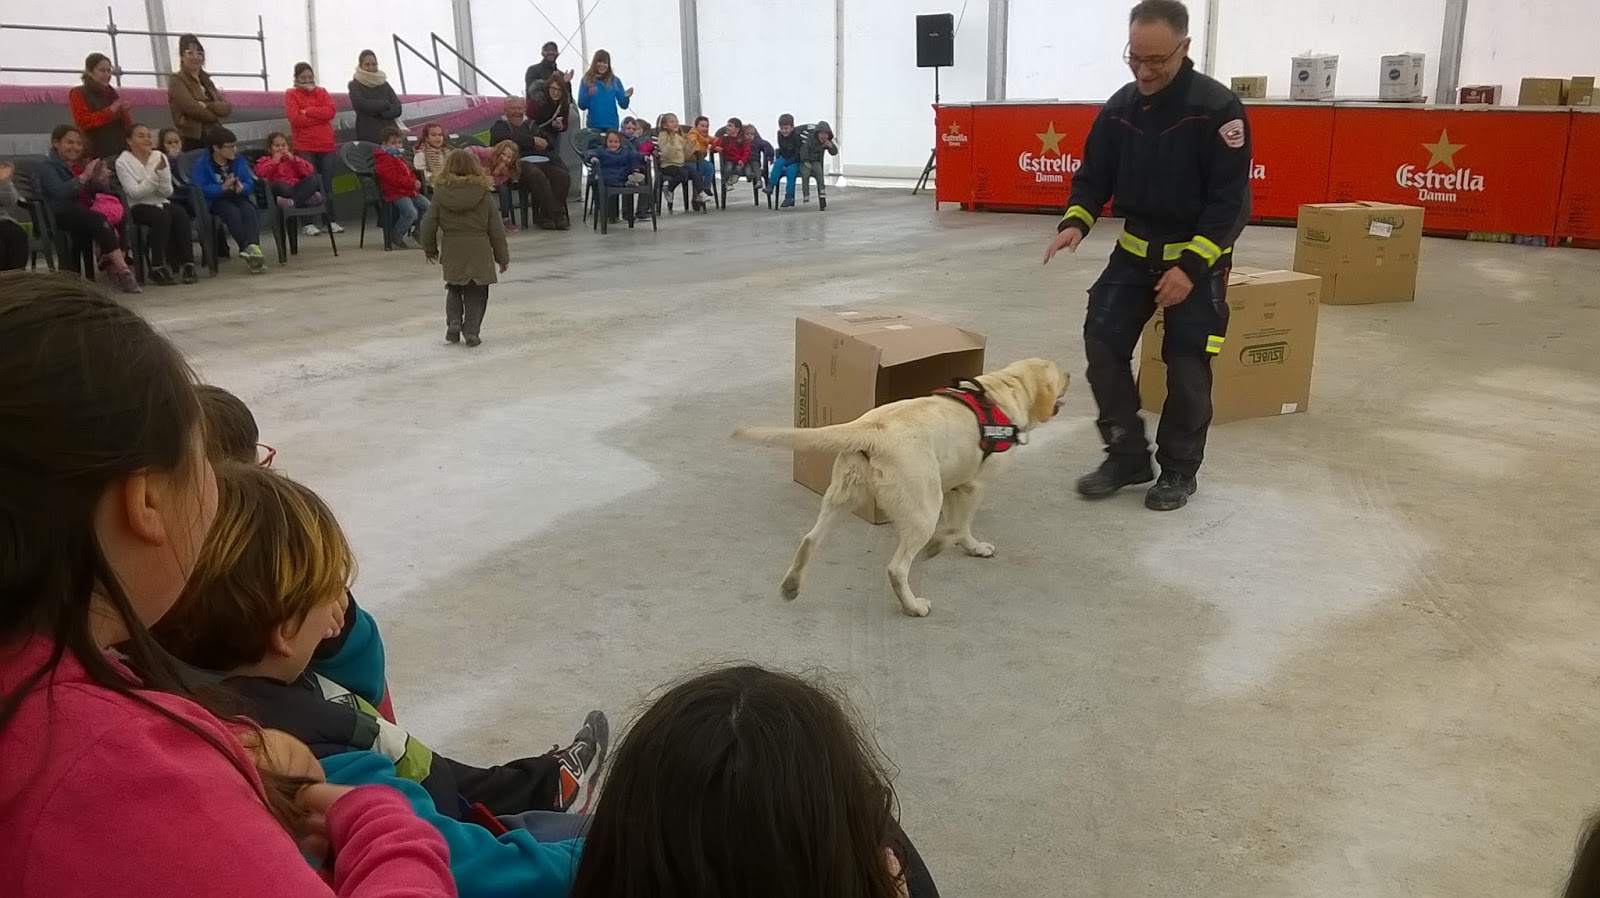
[
  {"x": 1171, "y": 492},
  {"x": 1113, "y": 474}
]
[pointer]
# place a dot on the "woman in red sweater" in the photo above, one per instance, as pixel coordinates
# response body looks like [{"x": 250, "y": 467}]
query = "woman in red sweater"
[
  {"x": 116, "y": 783},
  {"x": 311, "y": 112},
  {"x": 99, "y": 112}
]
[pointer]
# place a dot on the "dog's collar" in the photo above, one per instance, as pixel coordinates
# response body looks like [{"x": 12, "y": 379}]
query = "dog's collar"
[{"x": 996, "y": 432}]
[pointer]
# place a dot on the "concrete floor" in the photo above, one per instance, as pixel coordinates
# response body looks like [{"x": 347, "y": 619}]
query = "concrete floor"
[{"x": 1362, "y": 662}]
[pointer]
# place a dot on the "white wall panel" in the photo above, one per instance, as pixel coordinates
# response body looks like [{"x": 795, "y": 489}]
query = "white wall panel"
[
  {"x": 1073, "y": 50},
  {"x": 45, "y": 49},
  {"x": 344, "y": 29},
  {"x": 757, "y": 79},
  {"x": 1258, "y": 37},
  {"x": 1507, "y": 41},
  {"x": 508, "y": 34},
  {"x": 888, "y": 114},
  {"x": 283, "y": 23},
  {"x": 643, "y": 39}
]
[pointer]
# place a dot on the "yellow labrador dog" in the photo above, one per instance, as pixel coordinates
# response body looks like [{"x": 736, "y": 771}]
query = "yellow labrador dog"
[{"x": 918, "y": 457}]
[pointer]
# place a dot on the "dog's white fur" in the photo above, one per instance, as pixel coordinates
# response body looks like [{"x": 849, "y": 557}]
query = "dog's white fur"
[{"x": 917, "y": 457}]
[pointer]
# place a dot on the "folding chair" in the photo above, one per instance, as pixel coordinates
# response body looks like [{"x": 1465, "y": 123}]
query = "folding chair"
[
  {"x": 41, "y": 242},
  {"x": 284, "y": 233},
  {"x": 603, "y": 194},
  {"x": 210, "y": 230}
]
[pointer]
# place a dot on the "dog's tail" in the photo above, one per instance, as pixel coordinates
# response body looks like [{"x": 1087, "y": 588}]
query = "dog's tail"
[{"x": 837, "y": 439}]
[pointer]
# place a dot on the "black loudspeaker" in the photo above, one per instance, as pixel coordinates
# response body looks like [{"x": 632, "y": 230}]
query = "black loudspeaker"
[{"x": 936, "y": 41}]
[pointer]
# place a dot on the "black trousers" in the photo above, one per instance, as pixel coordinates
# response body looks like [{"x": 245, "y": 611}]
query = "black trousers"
[
  {"x": 465, "y": 304},
  {"x": 300, "y": 191},
  {"x": 13, "y": 246},
  {"x": 549, "y": 182},
  {"x": 1120, "y": 304},
  {"x": 527, "y": 784},
  {"x": 171, "y": 237},
  {"x": 87, "y": 224}
]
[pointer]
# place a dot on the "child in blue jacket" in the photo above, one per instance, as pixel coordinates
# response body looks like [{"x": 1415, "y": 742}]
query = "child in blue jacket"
[
  {"x": 617, "y": 164},
  {"x": 229, "y": 187}
]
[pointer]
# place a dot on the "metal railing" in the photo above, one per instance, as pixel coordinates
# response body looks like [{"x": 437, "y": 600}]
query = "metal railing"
[
  {"x": 112, "y": 32},
  {"x": 438, "y": 68}
]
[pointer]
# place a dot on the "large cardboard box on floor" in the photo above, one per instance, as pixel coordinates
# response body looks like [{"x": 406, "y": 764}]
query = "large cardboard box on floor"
[
  {"x": 848, "y": 362},
  {"x": 1364, "y": 252},
  {"x": 1264, "y": 368}
]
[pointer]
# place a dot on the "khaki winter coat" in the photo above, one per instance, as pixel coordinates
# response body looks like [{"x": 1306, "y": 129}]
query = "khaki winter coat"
[
  {"x": 196, "y": 103},
  {"x": 463, "y": 228}
]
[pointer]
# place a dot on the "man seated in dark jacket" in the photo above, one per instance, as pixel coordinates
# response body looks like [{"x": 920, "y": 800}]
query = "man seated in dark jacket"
[{"x": 548, "y": 179}]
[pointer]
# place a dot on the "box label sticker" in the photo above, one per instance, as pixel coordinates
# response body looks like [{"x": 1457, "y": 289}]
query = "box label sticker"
[
  {"x": 1289, "y": 408},
  {"x": 1381, "y": 229}
]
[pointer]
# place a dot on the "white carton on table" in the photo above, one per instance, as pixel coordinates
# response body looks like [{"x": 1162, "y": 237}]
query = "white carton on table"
[{"x": 1312, "y": 76}]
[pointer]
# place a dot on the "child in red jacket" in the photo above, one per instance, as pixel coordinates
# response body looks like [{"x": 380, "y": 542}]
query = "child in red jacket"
[
  {"x": 291, "y": 180},
  {"x": 735, "y": 150},
  {"x": 398, "y": 182}
]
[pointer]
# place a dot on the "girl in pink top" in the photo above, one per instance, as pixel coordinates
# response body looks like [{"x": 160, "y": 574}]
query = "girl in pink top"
[{"x": 114, "y": 783}]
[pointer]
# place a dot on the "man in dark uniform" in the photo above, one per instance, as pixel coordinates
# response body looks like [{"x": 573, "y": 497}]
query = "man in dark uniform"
[{"x": 1172, "y": 150}]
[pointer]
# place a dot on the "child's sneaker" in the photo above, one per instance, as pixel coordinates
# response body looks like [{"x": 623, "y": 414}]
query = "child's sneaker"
[
  {"x": 788, "y": 203},
  {"x": 822, "y": 203},
  {"x": 808, "y": 199},
  {"x": 511, "y": 225},
  {"x": 311, "y": 230},
  {"x": 474, "y": 340},
  {"x": 582, "y": 761},
  {"x": 335, "y": 227},
  {"x": 452, "y": 333},
  {"x": 254, "y": 259}
]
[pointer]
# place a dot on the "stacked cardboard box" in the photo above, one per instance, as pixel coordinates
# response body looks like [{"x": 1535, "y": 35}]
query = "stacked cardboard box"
[
  {"x": 1480, "y": 95},
  {"x": 1250, "y": 87},
  {"x": 1313, "y": 77},
  {"x": 1364, "y": 252},
  {"x": 1543, "y": 92},
  {"x": 1264, "y": 368},
  {"x": 848, "y": 362},
  {"x": 1400, "y": 77}
]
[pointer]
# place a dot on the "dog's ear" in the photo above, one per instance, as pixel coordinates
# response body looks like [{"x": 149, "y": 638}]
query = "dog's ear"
[{"x": 1045, "y": 393}]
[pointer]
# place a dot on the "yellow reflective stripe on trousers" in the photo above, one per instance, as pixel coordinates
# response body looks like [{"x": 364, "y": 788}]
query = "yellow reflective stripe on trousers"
[
  {"x": 1213, "y": 345},
  {"x": 1081, "y": 214}
]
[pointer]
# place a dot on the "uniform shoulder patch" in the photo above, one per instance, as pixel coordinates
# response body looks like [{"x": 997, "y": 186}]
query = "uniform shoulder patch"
[{"x": 1233, "y": 133}]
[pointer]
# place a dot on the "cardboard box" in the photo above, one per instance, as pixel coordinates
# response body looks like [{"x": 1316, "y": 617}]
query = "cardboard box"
[
  {"x": 1543, "y": 92},
  {"x": 1400, "y": 77},
  {"x": 1364, "y": 252},
  {"x": 1480, "y": 95},
  {"x": 1264, "y": 368},
  {"x": 1312, "y": 77},
  {"x": 1250, "y": 87},
  {"x": 1580, "y": 91},
  {"x": 848, "y": 362}
]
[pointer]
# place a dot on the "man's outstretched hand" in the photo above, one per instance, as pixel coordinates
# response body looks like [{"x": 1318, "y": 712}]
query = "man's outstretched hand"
[{"x": 1066, "y": 240}]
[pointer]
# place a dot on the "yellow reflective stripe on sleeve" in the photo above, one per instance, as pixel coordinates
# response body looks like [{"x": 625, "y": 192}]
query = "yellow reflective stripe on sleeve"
[
  {"x": 1213, "y": 345},
  {"x": 1205, "y": 249},
  {"x": 1173, "y": 252},
  {"x": 1134, "y": 245},
  {"x": 1081, "y": 214}
]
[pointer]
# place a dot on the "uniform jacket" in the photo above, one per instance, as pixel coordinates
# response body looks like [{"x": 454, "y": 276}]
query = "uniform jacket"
[
  {"x": 311, "y": 114},
  {"x": 463, "y": 228},
  {"x": 1176, "y": 165},
  {"x": 196, "y": 103}
]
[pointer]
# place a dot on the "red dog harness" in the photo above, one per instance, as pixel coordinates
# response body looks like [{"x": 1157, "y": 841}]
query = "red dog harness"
[{"x": 996, "y": 433}]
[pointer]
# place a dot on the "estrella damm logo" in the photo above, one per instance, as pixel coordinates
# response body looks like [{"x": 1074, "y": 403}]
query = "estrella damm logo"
[{"x": 1264, "y": 354}]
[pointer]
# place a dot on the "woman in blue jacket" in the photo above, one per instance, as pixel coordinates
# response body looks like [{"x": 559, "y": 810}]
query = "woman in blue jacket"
[
  {"x": 602, "y": 95},
  {"x": 67, "y": 181}
]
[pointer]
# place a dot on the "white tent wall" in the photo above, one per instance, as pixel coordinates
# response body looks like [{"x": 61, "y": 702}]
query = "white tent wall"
[
  {"x": 643, "y": 39},
  {"x": 342, "y": 33},
  {"x": 52, "y": 50},
  {"x": 760, "y": 59},
  {"x": 507, "y": 35},
  {"x": 887, "y": 128},
  {"x": 284, "y": 25},
  {"x": 1072, "y": 50},
  {"x": 1259, "y": 37},
  {"x": 1508, "y": 40}
]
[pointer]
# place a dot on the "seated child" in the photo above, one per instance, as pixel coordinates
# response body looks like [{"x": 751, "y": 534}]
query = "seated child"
[
  {"x": 228, "y": 185},
  {"x": 291, "y": 180},
  {"x": 398, "y": 183},
  {"x": 704, "y": 174},
  {"x": 814, "y": 150},
  {"x": 762, "y": 155},
  {"x": 169, "y": 141},
  {"x": 734, "y": 146},
  {"x": 789, "y": 157},
  {"x": 429, "y": 158},
  {"x": 266, "y": 592},
  {"x": 745, "y": 782},
  {"x": 617, "y": 164},
  {"x": 676, "y": 153},
  {"x": 501, "y": 162}
]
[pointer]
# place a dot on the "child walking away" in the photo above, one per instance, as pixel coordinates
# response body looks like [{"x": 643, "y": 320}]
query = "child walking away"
[
  {"x": 788, "y": 164},
  {"x": 819, "y": 144},
  {"x": 398, "y": 183},
  {"x": 618, "y": 165},
  {"x": 463, "y": 231},
  {"x": 744, "y": 781},
  {"x": 700, "y": 165},
  {"x": 292, "y": 182},
  {"x": 429, "y": 158}
]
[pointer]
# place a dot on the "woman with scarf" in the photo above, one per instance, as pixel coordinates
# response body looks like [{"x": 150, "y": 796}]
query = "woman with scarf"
[
  {"x": 103, "y": 116},
  {"x": 376, "y": 106},
  {"x": 197, "y": 106}
]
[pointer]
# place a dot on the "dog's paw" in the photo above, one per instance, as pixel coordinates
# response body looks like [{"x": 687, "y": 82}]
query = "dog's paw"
[
  {"x": 917, "y": 607},
  {"x": 790, "y": 590},
  {"x": 979, "y": 550}
]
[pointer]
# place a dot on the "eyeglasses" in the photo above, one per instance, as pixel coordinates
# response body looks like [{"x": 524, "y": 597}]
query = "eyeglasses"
[
  {"x": 270, "y": 452},
  {"x": 1154, "y": 62}
]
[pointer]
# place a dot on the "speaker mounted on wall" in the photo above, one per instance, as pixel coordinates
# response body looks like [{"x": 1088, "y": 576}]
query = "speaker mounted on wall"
[{"x": 936, "y": 41}]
